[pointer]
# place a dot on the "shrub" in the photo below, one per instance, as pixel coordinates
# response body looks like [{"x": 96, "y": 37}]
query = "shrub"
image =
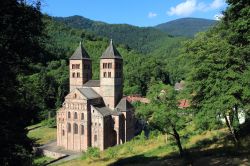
[
  {"x": 93, "y": 152},
  {"x": 141, "y": 138},
  {"x": 111, "y": 153},
  {"x": 130, "y": 149},
  {"x": 84, "y": 156},
  {"x": 154, "y": 134},
  {"x": 51, "y": 122}
]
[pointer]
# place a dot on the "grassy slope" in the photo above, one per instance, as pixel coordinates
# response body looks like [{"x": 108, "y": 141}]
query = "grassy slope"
[
  {"x": 207, "y": 147},
  {"x": 41, "y": 161},
  {"x": 41, "y": 134}
]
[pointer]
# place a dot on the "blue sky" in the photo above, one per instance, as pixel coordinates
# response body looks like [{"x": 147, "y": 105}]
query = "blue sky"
[{"x": 135, "y": 12}]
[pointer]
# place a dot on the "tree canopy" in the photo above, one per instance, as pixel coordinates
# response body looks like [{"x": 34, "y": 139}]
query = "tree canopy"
[
  {"x": 20, "y": 30},
  {"x": 219, "y": 62}
]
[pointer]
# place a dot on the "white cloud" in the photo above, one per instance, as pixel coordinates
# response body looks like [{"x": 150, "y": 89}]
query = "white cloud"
[
  {"x": 217, "y": 4},
  {"x": 218, "y": 16},
  {"x": 152, "y": 15},
  {"x": 185, "y": 8},
  {"x": 190, "y": 6}
]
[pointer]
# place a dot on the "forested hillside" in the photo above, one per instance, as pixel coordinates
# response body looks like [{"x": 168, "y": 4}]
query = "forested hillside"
[
  {"x": 214, "y": 64},
  {"x": 137, "y": 38},
  {"x": 187, "y": 27},
  {"x": 47, "y": 83}
]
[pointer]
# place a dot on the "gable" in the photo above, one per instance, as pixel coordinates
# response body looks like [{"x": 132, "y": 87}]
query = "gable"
[
  {"x": 75, "y": 94},
  {"x": 83, "y": 93}
]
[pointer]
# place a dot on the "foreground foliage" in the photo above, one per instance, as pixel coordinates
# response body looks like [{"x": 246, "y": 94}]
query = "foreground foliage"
[
  {"x": 20, "y": 30},
  {"x": 163, "y": 112},
  {"x": 219, "y": 70}
]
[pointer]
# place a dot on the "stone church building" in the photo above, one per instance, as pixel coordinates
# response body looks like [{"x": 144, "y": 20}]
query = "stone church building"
[{"x": 94, "y": 113}]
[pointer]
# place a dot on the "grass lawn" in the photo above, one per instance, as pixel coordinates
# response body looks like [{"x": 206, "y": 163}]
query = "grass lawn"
[
  {"x": 41, "y": 160},
  {"x": 205, "y": 147},
  {"x": 41, "y": 134},
  {"x": 151, "y": 147},
  {"x": 208, "y": 147}
]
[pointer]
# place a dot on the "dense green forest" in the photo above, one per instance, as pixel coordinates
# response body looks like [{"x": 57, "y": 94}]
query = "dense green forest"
[
  {"x": 189, "y": 26},
  {"x": 141, "y": 39},
  {"x": 34, "y": 72},
  {"x": 51, "y": 75},
  {"x": 215, "y": 65}
]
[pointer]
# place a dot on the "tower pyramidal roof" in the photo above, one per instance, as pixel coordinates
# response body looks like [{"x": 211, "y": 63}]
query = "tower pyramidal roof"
[
  {"x": 80, "y": 53},
  {"x": 111, "y": 52}
]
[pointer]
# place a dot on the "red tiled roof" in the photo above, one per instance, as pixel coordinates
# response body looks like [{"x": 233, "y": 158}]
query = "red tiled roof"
[
  {"x": 137, "y": 99},
  {"x": 184, "y": 103}
]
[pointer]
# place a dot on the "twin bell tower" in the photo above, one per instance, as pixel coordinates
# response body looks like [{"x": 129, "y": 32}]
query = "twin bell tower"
[{"x": 110, "y": 85}]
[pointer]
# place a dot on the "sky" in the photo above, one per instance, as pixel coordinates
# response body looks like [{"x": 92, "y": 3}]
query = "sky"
[{"x": 135, "y": 12}]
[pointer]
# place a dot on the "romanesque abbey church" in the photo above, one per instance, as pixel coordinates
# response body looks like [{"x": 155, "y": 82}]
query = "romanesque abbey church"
[{"x": 94, "y": 113}]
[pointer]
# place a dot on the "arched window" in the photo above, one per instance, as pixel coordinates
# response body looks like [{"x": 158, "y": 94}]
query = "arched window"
[
  {"x": 82, "y": 116},
  {"x": 82, "y": 130},
  {"x": 109, "y": 65},
  {"x": 104, "y": 65},
  {"x": 68, "y": 115},
  {"x": 95, "y": 138},
  {"x": 69, "y": 127},
  {"x": 75, "y": 128},
  {"x": 75, "y": 115},
  {"x": 63, "y": 133},
  {"x": 109, "y": 74}
]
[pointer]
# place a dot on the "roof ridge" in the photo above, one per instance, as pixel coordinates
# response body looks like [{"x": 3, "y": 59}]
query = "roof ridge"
[
  {"x": 80, "y": 53},
  {"x": 124, "y": 105},
  {"x": 111, "y": 52}
]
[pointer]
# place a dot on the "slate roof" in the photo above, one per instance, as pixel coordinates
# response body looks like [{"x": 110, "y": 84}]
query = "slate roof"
[
  {"x": 105, "y": 111},
  {"x": 111, "y": 52},
  {"x": 80, "y": 53},
  {"x": 89, "y": 93},
  {"x": 124, "y": 105},
  {"x": 92, "y": 83},
  {"x": 116, "y": 112}
]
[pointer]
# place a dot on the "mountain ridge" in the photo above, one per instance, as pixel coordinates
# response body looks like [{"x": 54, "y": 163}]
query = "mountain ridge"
[
  {"x": 137, "y": 38},
  {"x": 187, "y": 27}
]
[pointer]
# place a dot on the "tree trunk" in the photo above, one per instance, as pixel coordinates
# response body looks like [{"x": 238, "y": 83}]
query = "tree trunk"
[
  {"x": 178, "y": 141},
  {"x": 237, "y": 114},
  {"x": 231, "y": 129},
  {"x": 166, "y": 138}
]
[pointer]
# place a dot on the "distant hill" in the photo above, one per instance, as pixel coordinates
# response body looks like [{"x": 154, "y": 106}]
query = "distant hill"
[
  {"x": 133, "y": 37},
  {"x": 187, "y": 27}
]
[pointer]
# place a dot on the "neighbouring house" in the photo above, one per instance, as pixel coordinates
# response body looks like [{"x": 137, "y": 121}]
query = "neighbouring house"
[
  {"x": 179, "y": 85},
  {"x": 184, "y": 103},
  {"x": 94, "y": 113},
  {"x": 137, "y": 98}
]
